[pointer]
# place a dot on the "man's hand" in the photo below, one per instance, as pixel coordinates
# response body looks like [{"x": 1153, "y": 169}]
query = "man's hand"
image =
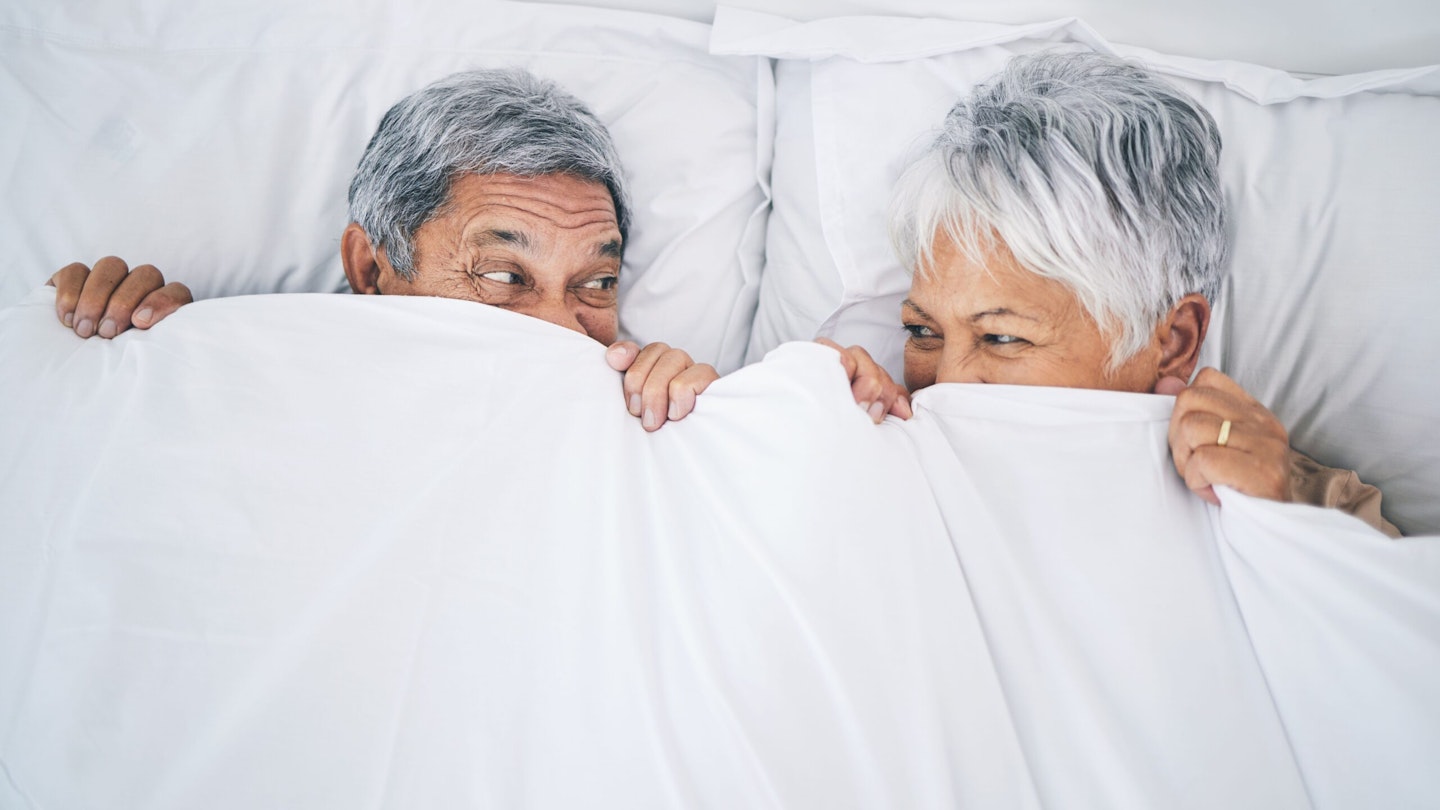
[
  {"x": 874, "y": 391},
  {"x": 660, "y": 383},
  {"x": 1254, "y": 458},
  {"x": 111, "y": 298}
]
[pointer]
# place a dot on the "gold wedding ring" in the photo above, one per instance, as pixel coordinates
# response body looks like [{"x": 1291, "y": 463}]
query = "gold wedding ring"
[{"x": 1224, "y": 433}]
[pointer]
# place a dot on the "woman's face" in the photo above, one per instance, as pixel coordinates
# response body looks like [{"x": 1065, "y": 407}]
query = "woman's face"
[{"x": 997, "y": 322}]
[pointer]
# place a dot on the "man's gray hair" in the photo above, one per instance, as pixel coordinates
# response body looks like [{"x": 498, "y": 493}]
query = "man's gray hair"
[
  {"x": 477, "y": 122},
  {"x": 1094, "y": 171}
]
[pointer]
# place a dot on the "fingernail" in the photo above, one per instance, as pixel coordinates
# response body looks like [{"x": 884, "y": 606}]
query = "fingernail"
[
  {"x": 864, "y": 406},
  {"x": 674, "y": 410},
  {"x": 634, "y": 404},
  {"x": 143, "y": 316},
  {"x": 68, "y": 320},
  {"x": 86, "y": 328},
  {"x": 650, "y": 421},
  {"x": 876, "y": 411},
  {"x": 107, "y": 328}
]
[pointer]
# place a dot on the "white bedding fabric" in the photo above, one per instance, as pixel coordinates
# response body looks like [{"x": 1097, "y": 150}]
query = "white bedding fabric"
[
  {"x": 1288, "y": 34},
  {"x": 333, "y": 551}
]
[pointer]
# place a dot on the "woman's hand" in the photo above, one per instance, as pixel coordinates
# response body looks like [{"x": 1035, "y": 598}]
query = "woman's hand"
[
  {"x": 1251, "y": 455},
  {"x": 874, "y": 391},
  {"x": 660, "y": 383},
  {"x": 111, "y": 298}
]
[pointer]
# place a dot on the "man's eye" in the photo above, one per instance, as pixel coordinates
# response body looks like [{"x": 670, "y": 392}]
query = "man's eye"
[
  {"x": 1004, "y": 340},
  {"x": 503, "y": 277},
  {"x": 602, "y": 283},
  {"x": 919, "y": 332}
]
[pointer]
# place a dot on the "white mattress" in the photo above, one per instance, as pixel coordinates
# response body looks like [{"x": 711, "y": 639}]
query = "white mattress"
[{"x": 335, "y": 551}]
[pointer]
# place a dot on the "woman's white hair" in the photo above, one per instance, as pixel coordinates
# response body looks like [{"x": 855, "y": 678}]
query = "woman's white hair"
[
  {"x": 477, "y": 122},
  {"x": 1094, "y": 172}
]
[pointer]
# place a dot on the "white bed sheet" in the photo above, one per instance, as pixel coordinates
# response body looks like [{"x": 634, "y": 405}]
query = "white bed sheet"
[{"x": 339, "y": 551}]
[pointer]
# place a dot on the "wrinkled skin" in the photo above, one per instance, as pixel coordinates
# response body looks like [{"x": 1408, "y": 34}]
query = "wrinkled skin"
[{"x": 994, "y": 321}]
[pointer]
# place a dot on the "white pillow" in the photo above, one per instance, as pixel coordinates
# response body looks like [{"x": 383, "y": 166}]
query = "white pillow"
[
  {"x": 1329, "y": 314},
  {"x": 219, "y": 144},
  {"x": 1288, "y": 34}
]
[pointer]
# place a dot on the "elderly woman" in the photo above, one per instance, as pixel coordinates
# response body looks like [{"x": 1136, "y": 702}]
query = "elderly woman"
[{"x": 1067, "y": 228}]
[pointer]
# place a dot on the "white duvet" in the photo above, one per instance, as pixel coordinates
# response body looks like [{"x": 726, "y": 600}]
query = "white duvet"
[{"x": 333, "y": 551}]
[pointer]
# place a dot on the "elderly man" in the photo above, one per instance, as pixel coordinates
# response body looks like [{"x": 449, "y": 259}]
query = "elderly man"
[
  {"x": 491, "y": 186},
  {"x": 1067, "y": 228}
]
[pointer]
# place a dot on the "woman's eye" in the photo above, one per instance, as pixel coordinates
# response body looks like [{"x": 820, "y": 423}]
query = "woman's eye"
[
  {"x": 502, "y": 277},
  {"x": 919, "y": 332},
  {"x": 1004, "y": 340},
  {"x": 602, "y": 283}
]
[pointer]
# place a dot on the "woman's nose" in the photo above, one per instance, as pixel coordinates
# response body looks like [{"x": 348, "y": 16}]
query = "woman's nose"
[{"x": 958, "y": 366}]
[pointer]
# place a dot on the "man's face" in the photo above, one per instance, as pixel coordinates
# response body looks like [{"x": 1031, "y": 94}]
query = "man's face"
[
  {"x": 548, "y": 247},
  {"x": 997, "y": 322}
]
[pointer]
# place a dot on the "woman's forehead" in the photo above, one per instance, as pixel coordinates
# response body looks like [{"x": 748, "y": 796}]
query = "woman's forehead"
[{"x": 959, "y": 286}]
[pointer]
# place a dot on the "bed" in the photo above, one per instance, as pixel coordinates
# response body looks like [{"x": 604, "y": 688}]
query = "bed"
[{"x": 299, "y": 549}]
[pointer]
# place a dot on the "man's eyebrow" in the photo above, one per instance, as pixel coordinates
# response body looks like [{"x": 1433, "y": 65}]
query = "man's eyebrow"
[
  {"x": 610, "y": 250},
  {"x": 500, "y": 236}
]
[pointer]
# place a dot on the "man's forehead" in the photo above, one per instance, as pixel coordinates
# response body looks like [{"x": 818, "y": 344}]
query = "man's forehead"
[
  {"x": 565, "y": 199},
  {"x": 607, "y": 244}
]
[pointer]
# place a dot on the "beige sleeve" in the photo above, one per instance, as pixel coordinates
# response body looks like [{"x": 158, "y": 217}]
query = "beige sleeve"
[{"x": 1313, "y": 483}]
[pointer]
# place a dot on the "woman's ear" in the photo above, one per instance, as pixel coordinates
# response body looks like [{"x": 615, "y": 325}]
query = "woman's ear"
[
  {"x": 362, "y": 266},
  {"x": 1181, "y": 335}
]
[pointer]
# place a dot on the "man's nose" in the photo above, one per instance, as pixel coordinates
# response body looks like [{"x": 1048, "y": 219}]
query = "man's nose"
[{"x": 558, "y": 312}]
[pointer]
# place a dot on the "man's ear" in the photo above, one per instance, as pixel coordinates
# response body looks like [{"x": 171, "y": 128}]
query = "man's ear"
[
  {"x": 362, "y": 267},
  {"x": 1181, "y": 335}
]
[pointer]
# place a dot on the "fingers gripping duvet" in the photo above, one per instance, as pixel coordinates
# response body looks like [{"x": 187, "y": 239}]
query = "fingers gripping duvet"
[{"x": 339, "y": 551}]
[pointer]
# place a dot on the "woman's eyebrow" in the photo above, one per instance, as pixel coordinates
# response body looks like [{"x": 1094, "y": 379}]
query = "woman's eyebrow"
[
  {"x": 1002, "y": 312},
  {"x": 914, "y": 307}
]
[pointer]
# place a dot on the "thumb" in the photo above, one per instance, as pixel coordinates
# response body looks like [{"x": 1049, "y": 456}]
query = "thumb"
[
  {"x": 1170, "y": 386},
  {"x": 622, "y": 355}
]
